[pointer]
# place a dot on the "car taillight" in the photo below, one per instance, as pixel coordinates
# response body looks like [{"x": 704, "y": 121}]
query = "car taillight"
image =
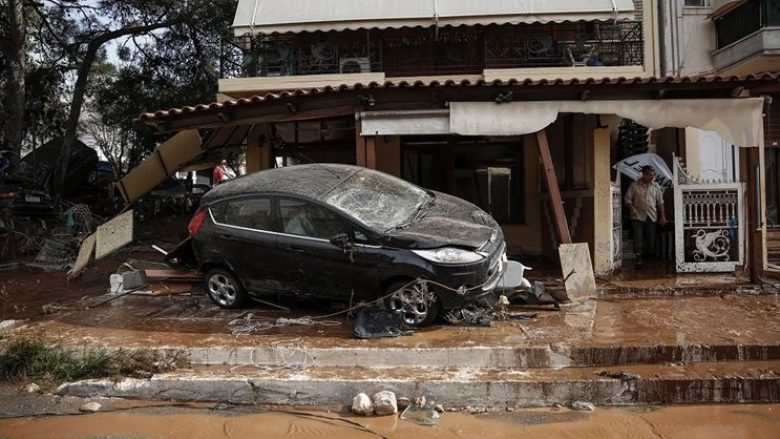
[
  {"x": 196, "y": 222},
  {"x": 8, "y": 195}
]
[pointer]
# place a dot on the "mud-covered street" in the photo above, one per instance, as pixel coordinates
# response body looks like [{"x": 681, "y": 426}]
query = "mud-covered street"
[{"x": 683, "y": 422}]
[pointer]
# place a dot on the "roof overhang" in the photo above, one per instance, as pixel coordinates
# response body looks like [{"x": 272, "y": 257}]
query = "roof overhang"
[
  {"x": 266, "y": 17},
  {"x": 345, "y": 100}
]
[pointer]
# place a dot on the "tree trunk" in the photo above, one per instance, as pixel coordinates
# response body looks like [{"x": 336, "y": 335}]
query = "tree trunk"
[
  {"x": 14, "y": 51},
  {"x": 72, "y": 124}
]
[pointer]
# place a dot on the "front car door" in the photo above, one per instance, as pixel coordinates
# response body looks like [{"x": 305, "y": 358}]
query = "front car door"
[{"x": 313, "y": 265}]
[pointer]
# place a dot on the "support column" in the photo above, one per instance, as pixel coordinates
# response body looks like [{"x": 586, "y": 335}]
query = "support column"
[
  {"x": 755, "y": 213},
  {"x": 556, "y": 202},
  {"x": 365, "y": 152},
  {"x": 258, "y": 148},
  {"x": 602, "y": 203}
]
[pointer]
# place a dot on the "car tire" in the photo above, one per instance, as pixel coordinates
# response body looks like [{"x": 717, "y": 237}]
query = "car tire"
[
  {"x": 225, "y": 290},
  {"x": 402, "y": 297}
]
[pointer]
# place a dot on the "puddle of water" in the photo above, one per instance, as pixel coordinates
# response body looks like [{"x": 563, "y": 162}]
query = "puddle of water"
[{"x": 693, "y": 422}]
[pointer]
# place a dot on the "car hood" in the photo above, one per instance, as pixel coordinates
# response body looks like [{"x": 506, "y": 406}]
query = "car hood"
[{"x": 450, "y": 221}]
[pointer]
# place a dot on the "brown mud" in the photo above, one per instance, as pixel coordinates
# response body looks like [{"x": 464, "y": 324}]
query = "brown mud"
[{"x": 690, "y": 422}]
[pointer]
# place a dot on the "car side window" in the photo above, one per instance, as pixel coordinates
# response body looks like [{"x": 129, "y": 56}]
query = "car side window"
[
  {"x": 306, "y": 219},
  {"x": 252, "y": 213}
]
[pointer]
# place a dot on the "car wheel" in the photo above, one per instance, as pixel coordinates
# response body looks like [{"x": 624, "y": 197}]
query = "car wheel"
[
  {"x": 224, "y": 289},
  {"x": 417, "y": 305}
]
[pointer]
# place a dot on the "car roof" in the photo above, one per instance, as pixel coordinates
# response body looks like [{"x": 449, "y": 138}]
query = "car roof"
[{"x": 311, "y": 181}]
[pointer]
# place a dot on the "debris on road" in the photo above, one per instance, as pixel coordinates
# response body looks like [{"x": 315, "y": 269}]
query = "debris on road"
[
  {"x": 90, "y": 407},
  {"x": 583, "y": 406},
  {"x": 385, "y": 403},
  {"x": 377, "y": 323},
  {"x": 422, "y": 412},
  {"x": 32, "y": 388},
  {"x": 248, "y": 324},
  {"x": 362, "y": 405}
]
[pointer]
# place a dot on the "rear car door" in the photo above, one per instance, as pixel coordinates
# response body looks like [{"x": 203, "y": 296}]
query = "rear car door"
[
  {"x": 314, "y": 266},
  {"x": 245, "y": 232}
]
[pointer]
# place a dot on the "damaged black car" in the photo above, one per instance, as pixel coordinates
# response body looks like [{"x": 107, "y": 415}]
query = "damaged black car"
[{"x": 344, "y": 233}]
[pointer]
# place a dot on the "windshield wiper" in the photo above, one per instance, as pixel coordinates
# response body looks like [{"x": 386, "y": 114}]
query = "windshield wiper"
[{"x": 418, "y": 214}]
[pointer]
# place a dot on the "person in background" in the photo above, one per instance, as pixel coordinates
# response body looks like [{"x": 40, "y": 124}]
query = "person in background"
[
  {"x": 645, "y": 203},
  {"x": 223, "y": 173}
]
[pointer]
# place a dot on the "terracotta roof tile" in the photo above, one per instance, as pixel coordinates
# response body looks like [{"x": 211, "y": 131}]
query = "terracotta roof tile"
[{"x": 389, "y": 84}]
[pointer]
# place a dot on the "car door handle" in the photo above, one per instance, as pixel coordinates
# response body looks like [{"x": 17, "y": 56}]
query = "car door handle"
[
  {"x": 227, "y": 236},
  {"x": 296, "y": 249}
]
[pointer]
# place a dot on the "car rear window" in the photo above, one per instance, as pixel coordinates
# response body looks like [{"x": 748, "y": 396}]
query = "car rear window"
[{"x": 252, "y": 213}]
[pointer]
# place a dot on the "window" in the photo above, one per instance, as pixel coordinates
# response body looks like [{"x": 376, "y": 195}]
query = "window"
[
  {"x": 491, "y": 176},
  {"x": 252, "y": 213},
  {"x": 306, "y": 219},
  {"x": 697, "y": 3}
]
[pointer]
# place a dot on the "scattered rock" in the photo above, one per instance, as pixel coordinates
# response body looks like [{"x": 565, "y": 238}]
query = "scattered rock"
[
  {"x": 90, "y": 407},
  {"x": 32, "y": 388},
  {"x": 510, "y": 409},
  {"x": 583, "y": 406},
  {"x": 361, "y": 405},
  {"x": 419, "y": 401},
  {"x": 403, "y": 402},
  {"x": 439, "y": 408},
  {"x": 556, "y": 406},
  {"x": 385, "y": 403},
  {"x": 476, "y": 410}
]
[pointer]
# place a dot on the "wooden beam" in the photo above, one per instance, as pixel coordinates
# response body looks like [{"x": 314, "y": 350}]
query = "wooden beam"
[
  {"x": 561, "y": 225},
  {"x": 755, "y": 235},
  {"x": 370, "y": 145},
  {"x": 360, "y": 145}
]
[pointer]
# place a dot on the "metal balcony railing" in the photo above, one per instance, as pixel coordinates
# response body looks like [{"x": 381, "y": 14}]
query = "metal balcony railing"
[{"x": 449, "y": 50}]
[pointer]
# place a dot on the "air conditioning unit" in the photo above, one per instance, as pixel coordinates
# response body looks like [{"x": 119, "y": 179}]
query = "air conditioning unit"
[{"x": 354, "y": 65}]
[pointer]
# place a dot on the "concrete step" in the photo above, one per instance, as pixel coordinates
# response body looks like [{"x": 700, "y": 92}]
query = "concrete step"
[
  {"x": 743, "y": 382},
  {"x": 502, "y": 357}
]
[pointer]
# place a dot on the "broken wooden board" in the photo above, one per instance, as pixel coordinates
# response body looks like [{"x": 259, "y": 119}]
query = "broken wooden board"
[
  {"x": 169, "y": 288},
  {"x": 114, "y": 234},
  {"x": 577, "y": 271},
  {"x": 84, "y": 257},
  {"x": 174, "y": 276}
]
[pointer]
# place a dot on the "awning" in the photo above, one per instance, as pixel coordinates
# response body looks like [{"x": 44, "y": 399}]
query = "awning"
[
  {"x": 267, "y": 17},
  {"x": 404, "y": 123},
  {"x": 738, "y": 121}
]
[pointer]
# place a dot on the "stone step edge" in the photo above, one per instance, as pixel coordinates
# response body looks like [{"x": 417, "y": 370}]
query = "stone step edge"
[
  {"x": 477, "y": 357},
  {"x": 455, "y": 389}
]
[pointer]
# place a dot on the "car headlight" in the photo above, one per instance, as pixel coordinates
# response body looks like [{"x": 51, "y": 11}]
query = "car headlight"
[{"x": 449, "y": 255}]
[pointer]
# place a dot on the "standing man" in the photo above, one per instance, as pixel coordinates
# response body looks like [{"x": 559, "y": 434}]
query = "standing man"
[{"x": 645, "y": 203}]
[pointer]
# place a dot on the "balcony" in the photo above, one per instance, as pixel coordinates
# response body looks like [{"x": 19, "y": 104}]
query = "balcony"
[
  {"x": 463, "y": 50},
  {"x": 748, "y": 38}
]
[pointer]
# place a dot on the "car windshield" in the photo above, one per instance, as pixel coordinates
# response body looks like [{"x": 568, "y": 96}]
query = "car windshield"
[{"x": 379, "y": 201}]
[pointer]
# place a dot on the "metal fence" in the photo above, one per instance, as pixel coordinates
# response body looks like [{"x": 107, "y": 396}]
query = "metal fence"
[{"x": 447, "y": 50}]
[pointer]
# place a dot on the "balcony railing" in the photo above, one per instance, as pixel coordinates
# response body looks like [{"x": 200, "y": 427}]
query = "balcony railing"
[
  {"x": 449, "y": 50},
  {"x": 747, "y": 19}
]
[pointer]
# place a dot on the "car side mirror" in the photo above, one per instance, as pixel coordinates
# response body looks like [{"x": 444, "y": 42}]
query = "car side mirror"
[{"x": 341, "y": 241}]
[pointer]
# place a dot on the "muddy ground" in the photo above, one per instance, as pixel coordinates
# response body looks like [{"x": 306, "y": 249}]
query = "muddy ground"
[
  {"x": 122, "y": 418},
  {"x": 30, "y": 293}
]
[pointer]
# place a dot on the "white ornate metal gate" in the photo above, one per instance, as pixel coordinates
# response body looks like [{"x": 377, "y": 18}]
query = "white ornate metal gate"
[
  {"x": 709, "y": 223},
  {"x": 617, "y": 225}
]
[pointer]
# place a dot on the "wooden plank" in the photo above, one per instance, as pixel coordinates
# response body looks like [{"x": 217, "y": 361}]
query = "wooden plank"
[
  {"x": 561, "y": 225},
  {"x": 370, "y": 145},
  {"x": 360, "y": 145},
  {"x": 755, "y": 254},
  {"x": 173, "y": 275}
]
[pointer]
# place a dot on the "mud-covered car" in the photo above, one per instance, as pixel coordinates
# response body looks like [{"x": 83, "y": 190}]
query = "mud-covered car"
[{"x": 346, "y": 233}]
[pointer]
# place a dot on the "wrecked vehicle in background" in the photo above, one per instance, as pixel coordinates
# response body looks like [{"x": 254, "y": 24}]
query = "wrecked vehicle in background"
[
  {"x": 39, "y": 165},
  {"x": 345, "y": 233}
]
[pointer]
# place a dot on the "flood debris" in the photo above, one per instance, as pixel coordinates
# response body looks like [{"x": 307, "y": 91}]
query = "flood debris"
[
  {"x": 422, "y": 412},
  {"x": 577, "y": 271},
  {"x": 583, "y": 406},
  {"x": 362, "y": 405},
  {"x": 249, "y": 324},
  {"x": 377, "y": 323},
  {"x": 32, "y": 388},
  {"x": 90, "y": 407},
  {"x": 385, "y": 403}
]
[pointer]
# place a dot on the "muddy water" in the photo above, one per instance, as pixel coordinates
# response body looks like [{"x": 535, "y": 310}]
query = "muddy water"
[{"x": 690, "y": 422}]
